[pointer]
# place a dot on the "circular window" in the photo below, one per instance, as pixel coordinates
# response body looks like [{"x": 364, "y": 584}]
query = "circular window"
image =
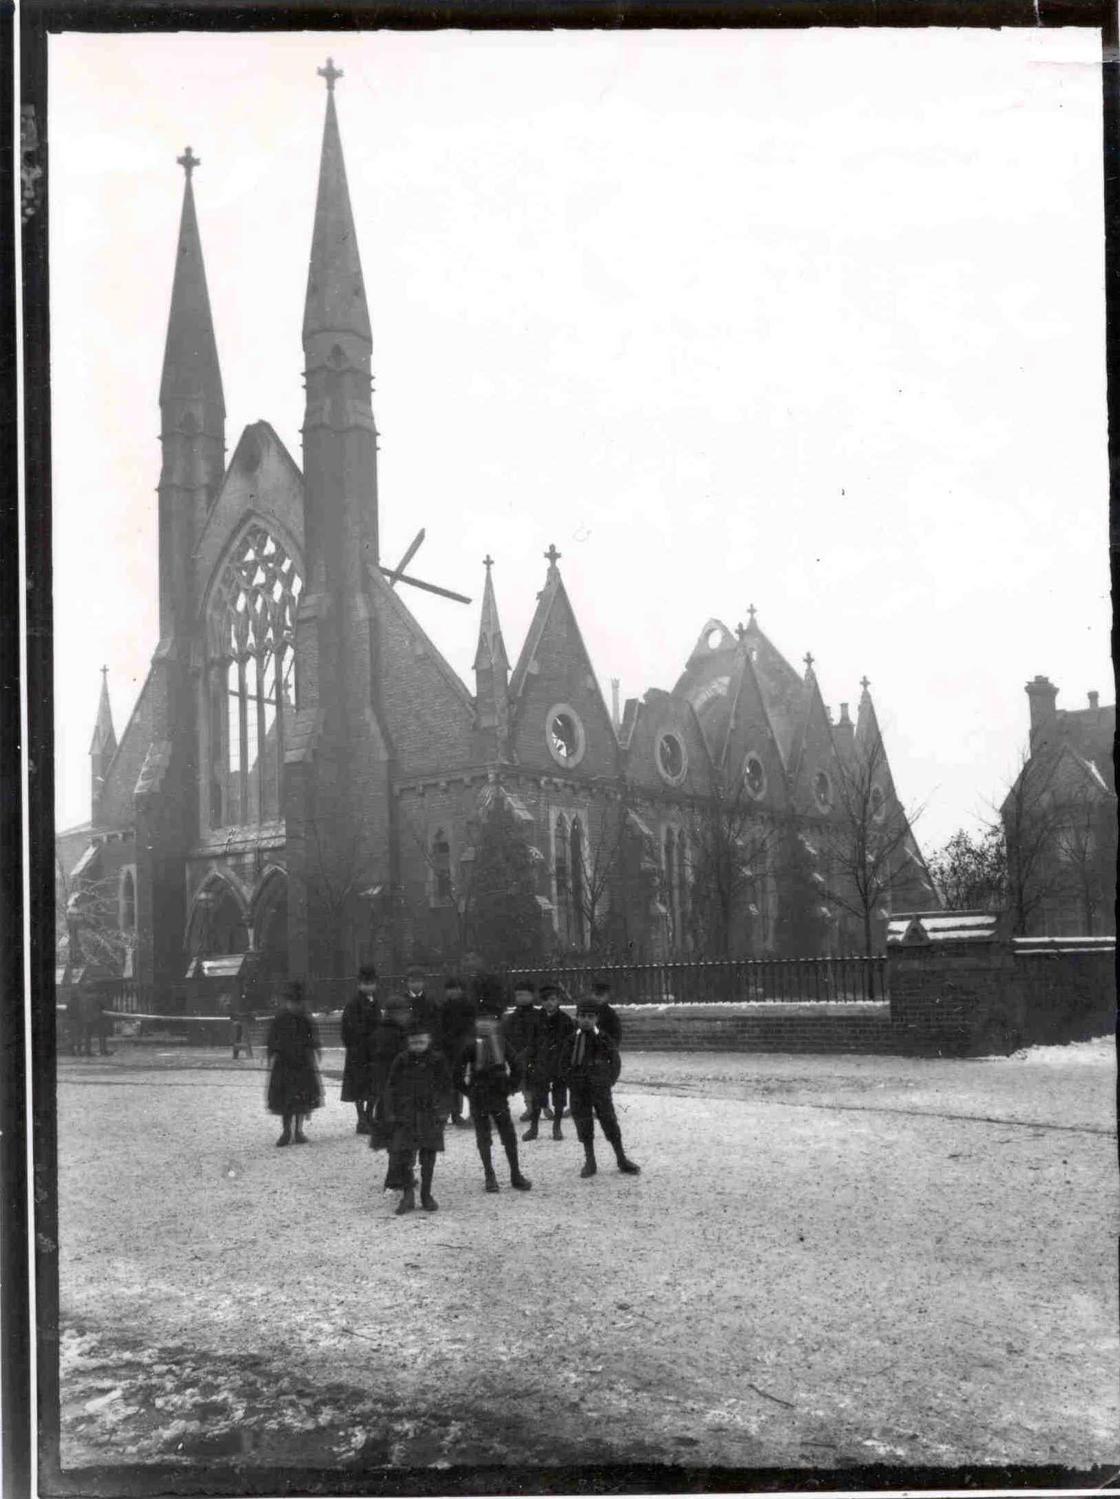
[
  {"x": 714, "y": 638},
  {"x": 822, "y": 790},
  {"x": 564, "y": 735},
  {"x": 878, "y": 807},
  {"x": 754, "y": 776},
  {"x": 672, "y": 761}
]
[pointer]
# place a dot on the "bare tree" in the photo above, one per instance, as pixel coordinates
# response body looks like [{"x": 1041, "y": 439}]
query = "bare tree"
[
  {"x": 1032, "y": 821},
  {"x": 88, "y": 922},
  {"x": 1087, "y": 847},
  {"x": 970, "y": 871},
  {"x": 868, "y": 838},
  {"x": 731, "y": 854}
]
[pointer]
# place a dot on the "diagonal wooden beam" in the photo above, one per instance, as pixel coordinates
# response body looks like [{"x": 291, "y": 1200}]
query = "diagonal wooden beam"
[
  {"x": 444, "y": 593},
  {"x": 395, "y": 572}
]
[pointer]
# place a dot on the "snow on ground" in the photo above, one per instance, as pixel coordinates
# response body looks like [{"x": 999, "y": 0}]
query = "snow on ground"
[{"x": 826, "y": 1261}]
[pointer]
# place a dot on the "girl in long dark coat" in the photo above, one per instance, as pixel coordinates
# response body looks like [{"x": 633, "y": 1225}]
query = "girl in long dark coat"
[
  {"x": 293, "y": 1048},
  {"x": 360, "y": 1019},
  {"x": 417, "y": 1101}
]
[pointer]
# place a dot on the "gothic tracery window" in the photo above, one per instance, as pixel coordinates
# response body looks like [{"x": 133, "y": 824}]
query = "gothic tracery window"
[{"x": 250, "y": 679}]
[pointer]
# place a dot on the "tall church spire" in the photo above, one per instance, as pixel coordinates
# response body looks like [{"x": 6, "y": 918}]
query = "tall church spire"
[
  {"x": 190, "y": 361},
  {"x": 336, "y": 295}
]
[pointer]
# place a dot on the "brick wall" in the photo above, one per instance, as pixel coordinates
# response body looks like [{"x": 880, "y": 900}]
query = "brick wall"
[
  {"x": 764, "y": 1027},
  {"x": 987, "y": 998}
]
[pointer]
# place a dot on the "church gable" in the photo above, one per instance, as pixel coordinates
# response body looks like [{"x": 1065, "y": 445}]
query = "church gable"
[
  {"x": 561, "y": 722},
  {"x": 708, "y": 683},
  {"x": 262, "y": 480},
  {"x": 751, "y": 750},
  {"x": 124, "y": 768},
  {"x": 666, "y": 752},
  {"x": 815, "y": 774},
  {"x": 426, "y": 710}
]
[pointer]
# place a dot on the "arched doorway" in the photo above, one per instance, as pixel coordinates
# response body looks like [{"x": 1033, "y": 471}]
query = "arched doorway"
[{"x": 270, "y": 924}]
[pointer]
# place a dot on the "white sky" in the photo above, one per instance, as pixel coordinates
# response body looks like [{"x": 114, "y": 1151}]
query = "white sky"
[{"x": 813, "y": 320}]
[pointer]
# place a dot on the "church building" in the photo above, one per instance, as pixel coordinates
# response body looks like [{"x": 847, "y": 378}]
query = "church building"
[{"x": 304, "y": 776}]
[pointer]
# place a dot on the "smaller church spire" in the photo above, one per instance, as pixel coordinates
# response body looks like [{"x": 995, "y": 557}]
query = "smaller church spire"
[
  {"x": 491, "y": 647},
  {"x": 190, "y": 361},
  {"x": 491, "y": 673},
  {"x": 104, "y": 740}
]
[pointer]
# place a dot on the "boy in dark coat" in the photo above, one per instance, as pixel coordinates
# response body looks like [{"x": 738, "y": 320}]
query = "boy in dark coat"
[
  {"x": 360, "y": 1019},
  {"x": 457, "y": 1027},
  {"x": 554, "y": 1028},
  {"x": 421, "y": 1005},
  {"x": 293, "y": 1052},
  {"x": 590, "y": 1065},
  {"x": 386, "y": 1043},
  {"x": 487, "y": 1074},
  {"x": 519, "y": 1027},
  {"x": 608, "y": 1022},
  {"x": 417, "y": 1100}
]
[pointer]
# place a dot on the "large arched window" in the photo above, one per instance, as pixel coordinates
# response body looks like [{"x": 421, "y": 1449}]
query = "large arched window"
[
  {"x": 128, "y": 902},
  {"x": 250, "y": 679}
]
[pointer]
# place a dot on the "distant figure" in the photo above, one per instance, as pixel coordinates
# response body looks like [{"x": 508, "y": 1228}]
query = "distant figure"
[
  {"x": 590, "y": 1065},
  {"x": 241, "y": 1019},
  {"x": 487, "y": 1075},
  {"x": 554, "y": 1028},
  {"x": 75, "y": 1021},
  {"x": 457, "y": 1027},
  {"x": 519, "y": 1028},
  {"x": 294, "y": 1089},
  {"x": 417, "y": 1101},
  {"x": 360, "y": 1019},
  {"x": 608, "y": 1021},
  {"x": 420, "y": 1004}
]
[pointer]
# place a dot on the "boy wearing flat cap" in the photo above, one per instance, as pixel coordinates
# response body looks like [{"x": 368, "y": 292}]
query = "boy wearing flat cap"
[
  {"x": 417, "y": 1101},
  {"x": 590, "y": 1066},
  {"x": 554, "y": 1028},
  {"x": 486, "y": 1074}
]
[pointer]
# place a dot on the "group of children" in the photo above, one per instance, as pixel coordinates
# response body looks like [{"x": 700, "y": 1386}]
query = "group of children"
[{"x": 413, "y": 1060}]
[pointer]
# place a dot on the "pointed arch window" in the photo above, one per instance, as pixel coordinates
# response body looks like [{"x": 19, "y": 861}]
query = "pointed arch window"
[
  {"x": 578, "y": 880},
  {"x": 250, "y": 679},
  {"x": 671, "y": 890},
  {"x": 128, "y": 902},
  {"x": 561, "y": 878},
  {"x": 441, "y": 868}
]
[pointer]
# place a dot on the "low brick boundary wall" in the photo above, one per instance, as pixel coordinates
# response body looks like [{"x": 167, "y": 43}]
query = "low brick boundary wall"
[{"x": 857, "y": 1027}]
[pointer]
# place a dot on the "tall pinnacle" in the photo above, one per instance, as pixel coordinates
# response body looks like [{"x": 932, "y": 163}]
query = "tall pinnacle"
[
  {"x": 336, "y": 297},
  {"x": 190, "y": 361},
  {"x": 104, "y": 740},
  {"x": 491, "y": 647}
]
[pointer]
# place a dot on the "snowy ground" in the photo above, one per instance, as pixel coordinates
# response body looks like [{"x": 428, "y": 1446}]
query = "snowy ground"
[{"x": 827, "y": 1261}]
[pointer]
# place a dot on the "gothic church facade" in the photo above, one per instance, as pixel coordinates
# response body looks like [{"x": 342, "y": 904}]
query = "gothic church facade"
[{"x": 305, "y": 777}]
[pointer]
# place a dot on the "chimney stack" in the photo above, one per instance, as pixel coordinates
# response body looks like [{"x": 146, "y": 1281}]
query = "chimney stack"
[
  {"x": 1041, "y": 693},
  {"x": 1094, "y": 700}
]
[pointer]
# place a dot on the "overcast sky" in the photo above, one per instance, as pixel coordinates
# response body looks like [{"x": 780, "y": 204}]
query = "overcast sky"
[{"x": 810, "y": 320}]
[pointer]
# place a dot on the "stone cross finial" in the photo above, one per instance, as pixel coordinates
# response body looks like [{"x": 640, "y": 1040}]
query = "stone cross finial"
[
  {"x": 865, "y": 683},
  {"x": 808, "y": 661},
  {"x": 188, "y": 161},
  {"x": 104, "y": 671},
  {"x": 488, "y": 562},
  {"x": 553, "y": 555},
  {"x": 330, "y": 73},
  {"x": 740, "y": 631},
  {"x": 752, "y": 611}
]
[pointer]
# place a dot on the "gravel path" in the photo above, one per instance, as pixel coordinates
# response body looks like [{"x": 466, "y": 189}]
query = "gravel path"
[{"x": 826, "y": 1261}]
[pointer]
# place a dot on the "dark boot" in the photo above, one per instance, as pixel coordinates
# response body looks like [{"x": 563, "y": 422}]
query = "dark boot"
[
  {"x": 589, "y": 1164},
  {"x": 407, "y": 1202},
  {"x": 300, "y": 1138},
  {"x": 534, "y": 1126},
  {"x": 488, "y": 1169},
  {"x": 518, "y": 1182},
  {"x": 286, "y": 1137},
  {"x": 427, "y": 1201},
  {"x": 627, "y": 1167},
  {"x": 557, "y": 1132},
  {"x": 509, "y": 1141}
]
